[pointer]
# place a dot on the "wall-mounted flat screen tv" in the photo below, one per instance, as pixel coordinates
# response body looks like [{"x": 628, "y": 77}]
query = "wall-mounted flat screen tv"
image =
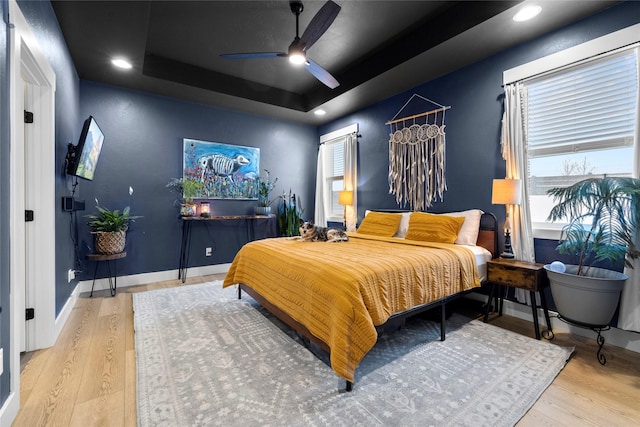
[{"x": 83, "y": 158}]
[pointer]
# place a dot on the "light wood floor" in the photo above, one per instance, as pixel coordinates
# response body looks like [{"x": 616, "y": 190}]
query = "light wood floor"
[{"x": 89, "y": 377}]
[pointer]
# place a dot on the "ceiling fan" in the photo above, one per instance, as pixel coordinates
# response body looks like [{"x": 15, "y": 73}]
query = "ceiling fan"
[{"x": 297, "y": 52}]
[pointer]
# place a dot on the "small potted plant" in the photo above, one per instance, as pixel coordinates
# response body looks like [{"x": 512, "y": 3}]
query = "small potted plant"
[
  {"x": 187, "y": 189},
  {"x": 109, "y": 228},
  {"x": 603, "y": 215},
  {"x": 265, "y": 187}
]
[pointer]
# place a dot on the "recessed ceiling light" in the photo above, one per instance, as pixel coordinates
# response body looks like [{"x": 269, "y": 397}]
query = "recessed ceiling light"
[
  {"x": 527, "y": 12},
  {"x": 320, "y": 112},
  {"x": 121, "y": 63}
]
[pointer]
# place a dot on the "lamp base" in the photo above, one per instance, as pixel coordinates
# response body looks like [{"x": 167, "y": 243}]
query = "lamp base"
[{"x": 508, "y": 252}]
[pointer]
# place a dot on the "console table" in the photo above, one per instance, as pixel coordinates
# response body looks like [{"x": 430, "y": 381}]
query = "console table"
[{"x": 186, "y": 234}]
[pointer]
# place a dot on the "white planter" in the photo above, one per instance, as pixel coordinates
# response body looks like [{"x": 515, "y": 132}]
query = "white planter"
[{"x": 589, "y": 300}]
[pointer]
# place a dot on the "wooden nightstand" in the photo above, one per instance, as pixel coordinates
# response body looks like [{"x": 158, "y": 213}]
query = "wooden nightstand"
[{"x": 524, "y": 275}]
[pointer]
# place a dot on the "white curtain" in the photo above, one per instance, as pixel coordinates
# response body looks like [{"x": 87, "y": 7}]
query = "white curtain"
[
  {"x": 351, "y": 178},
  {"x": 629, "y": 317},
  {"x": 319, "y": 217},
  {"x": 514, "y": 151}
]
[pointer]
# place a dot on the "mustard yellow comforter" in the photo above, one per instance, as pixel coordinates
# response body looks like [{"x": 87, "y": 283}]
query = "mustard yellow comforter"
[{"x": 341, "y": 291}]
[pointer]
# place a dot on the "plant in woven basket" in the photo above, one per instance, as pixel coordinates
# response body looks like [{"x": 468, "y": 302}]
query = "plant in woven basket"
[{"x": 109, "y": 228}]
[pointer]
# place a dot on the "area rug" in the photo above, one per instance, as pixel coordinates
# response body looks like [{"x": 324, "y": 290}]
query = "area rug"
[{"x": 205, "y": 358}]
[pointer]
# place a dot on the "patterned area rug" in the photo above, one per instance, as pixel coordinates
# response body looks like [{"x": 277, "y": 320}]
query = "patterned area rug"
[{"x": 206, "y": 358}]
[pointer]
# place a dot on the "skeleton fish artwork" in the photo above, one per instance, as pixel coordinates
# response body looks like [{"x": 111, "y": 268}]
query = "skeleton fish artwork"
[
  {"x": 226, "y": 171},
  {"x": 220, "y": 165}
]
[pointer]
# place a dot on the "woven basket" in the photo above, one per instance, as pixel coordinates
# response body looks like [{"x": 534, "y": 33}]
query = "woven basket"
[{"x": 109, "y": 242}]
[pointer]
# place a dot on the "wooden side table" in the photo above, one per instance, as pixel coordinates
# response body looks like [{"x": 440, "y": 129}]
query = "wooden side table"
[
  {"x": 524, "y": 275},
  {"x": 108, "y": 258}
]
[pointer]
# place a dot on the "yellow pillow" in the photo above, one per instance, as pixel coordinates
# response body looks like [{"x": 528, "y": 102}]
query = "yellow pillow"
[
  {"x": 380, "y": 224},
  {"x": 433, "y": 228}
]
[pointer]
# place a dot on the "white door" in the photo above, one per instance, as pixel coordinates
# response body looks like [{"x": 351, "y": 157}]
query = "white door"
[{"x": 29, "y": 237}]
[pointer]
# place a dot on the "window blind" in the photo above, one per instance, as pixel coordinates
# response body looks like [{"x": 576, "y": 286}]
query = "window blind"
[{"x": 590, "y": 107}]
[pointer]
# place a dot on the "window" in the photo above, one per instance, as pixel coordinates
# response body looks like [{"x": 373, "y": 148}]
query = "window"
[
  {"x": 334, "y": 176},
  {"x": 337, "y": 171},
  {"x": 581, "y": 122}
]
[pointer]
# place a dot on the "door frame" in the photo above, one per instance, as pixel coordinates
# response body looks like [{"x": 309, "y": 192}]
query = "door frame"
[{"x": 27, "y": 63}]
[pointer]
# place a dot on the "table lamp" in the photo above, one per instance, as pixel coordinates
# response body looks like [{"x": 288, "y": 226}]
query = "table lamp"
[
  {"x": 205, "y": 209},
  {"x": 345, "y": 197},
  {"x": 506, "y": 192}
]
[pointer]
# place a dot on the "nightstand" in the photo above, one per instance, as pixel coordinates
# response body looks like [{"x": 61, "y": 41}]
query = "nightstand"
[{"x": 524, "y": 275}]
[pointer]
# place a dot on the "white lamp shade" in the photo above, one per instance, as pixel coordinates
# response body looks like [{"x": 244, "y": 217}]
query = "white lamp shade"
[{"x": 506, "y": 192}]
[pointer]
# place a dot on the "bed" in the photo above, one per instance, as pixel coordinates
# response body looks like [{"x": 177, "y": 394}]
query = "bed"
[{"x": 338, "y": 295}]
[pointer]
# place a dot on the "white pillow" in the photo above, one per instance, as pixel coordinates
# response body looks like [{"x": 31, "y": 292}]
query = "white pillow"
[
  {"x": 468, "y": 234},
  {"x": 404, "y": 225}
]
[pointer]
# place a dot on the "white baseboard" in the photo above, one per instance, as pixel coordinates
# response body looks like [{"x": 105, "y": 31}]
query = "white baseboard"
[
  {"x": 146, "y": 278},
  {"x": 618, "y": 337},
  {"x": 127, "y": 281},
  {"x": 9, "y": 410}
]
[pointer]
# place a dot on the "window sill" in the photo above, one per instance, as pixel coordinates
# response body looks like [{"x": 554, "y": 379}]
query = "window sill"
[{"x": 547, "y": 233}]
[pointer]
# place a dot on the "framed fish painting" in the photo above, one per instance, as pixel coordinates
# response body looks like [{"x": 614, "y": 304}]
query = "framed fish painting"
[{"x": 225, "y": 171}]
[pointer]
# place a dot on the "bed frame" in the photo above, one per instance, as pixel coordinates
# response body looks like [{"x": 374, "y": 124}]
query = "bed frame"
[{"x": 487, "y": 238}]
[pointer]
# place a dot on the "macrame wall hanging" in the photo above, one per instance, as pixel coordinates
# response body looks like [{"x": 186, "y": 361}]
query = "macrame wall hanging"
[{"x": 417, "y": 157}]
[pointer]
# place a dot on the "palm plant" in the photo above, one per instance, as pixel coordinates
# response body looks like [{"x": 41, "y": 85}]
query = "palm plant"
[
  {"x": 603, "y": 214},
  {"x": 187, "y": 189}
]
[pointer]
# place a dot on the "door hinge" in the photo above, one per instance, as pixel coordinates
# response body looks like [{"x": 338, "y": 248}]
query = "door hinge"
[
  {"x": 31, "y": 313},
  {"x": 28, "y": 116},
  {"x": 28, "y": 215}
]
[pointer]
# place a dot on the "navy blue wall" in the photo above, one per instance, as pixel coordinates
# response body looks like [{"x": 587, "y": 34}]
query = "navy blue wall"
[
  {"x": 143, "y": 150},
  {"x": 473, "y": 157}
]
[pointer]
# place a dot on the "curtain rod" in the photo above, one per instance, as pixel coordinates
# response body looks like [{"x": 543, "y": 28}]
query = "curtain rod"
[{"x": 417, "y": 115}]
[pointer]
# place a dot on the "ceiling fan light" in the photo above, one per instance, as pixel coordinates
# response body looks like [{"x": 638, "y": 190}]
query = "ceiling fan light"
[{"x": 297, "y": 59}]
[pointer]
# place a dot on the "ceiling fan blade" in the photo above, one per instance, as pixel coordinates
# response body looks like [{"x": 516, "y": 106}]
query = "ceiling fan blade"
[
  {"x": 321, "y": 74},
  {"x": 320, "y": 23},
  {"x": 253, "y": 55}
]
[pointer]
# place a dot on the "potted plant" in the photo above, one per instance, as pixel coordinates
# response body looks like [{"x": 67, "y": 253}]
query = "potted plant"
[
  {"x": 187, "y": 189},
  {"x": 289, "y": 215},
  {"x": 265, "y": 187},
  {"x": 603, "y": 215},
  {"x": 109, "y": 228}
]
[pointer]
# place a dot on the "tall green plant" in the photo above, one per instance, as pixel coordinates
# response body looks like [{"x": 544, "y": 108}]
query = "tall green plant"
[
  {"x": 289, "y": 215},
  {"x": 603, "y": 215}
]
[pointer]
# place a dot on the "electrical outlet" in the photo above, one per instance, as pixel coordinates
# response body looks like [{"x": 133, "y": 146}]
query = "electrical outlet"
[
  {"x": 71, "y": 274},
  {"x": 207, "y": 252}
]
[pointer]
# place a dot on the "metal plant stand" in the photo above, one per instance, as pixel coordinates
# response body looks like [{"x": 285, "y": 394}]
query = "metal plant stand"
[{"x": 595, "y": 328}]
